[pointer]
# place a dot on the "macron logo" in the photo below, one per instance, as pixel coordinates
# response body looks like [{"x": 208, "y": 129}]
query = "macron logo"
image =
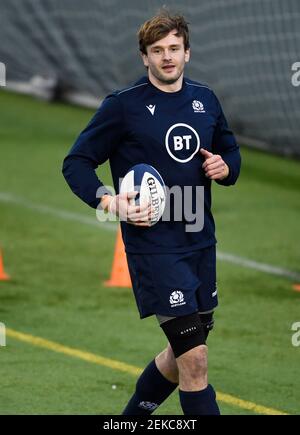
[{"x": 151, "y": 108}]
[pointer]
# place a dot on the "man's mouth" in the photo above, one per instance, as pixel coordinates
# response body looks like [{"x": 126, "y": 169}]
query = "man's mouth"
[{"x": 168, "y": 68}]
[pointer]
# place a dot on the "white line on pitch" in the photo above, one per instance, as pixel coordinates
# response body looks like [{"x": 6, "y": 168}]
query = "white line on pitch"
[
  {"x": 56, "y": 212},
  {"x": 262, "y": 267}
]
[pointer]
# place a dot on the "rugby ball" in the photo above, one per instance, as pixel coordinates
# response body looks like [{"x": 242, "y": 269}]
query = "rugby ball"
[{"x": 150, "y": 186}]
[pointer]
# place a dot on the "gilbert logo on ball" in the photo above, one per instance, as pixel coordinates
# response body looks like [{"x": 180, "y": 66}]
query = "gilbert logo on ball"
[{"x": 150, "y": 186}]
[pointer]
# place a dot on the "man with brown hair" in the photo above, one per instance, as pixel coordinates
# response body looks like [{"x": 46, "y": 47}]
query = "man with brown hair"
[{"x": 161, "y": 121}]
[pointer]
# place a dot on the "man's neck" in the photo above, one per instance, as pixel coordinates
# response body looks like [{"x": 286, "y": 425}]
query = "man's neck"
[{"x": 173, "y": 87}]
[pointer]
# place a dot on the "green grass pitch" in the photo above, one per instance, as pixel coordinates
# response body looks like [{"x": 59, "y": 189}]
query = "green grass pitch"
[{"x": 58, "y": 266}]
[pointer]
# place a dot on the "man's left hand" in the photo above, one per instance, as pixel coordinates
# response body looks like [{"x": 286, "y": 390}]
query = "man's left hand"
[{"x": 214, "y": 166}]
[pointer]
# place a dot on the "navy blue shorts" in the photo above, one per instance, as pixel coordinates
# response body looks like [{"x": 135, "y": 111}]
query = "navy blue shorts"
[{"x": 174, "y": 284}]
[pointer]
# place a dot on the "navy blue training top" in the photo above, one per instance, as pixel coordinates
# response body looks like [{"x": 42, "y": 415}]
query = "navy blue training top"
[{"x": 142, "y": 124}]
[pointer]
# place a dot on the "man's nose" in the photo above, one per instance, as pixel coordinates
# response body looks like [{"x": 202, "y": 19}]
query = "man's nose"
[{"x": 166, "y": 55}]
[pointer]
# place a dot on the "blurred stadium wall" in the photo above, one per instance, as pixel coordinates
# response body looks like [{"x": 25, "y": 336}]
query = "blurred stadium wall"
[{"x": 244, "y": 49}]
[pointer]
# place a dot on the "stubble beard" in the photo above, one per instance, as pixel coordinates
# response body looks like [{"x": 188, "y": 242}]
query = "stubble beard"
[{"x": 164, "y": 80}]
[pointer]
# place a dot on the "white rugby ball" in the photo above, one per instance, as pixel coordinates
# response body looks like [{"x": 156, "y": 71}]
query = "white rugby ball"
[{"x": 150, "y": 186}]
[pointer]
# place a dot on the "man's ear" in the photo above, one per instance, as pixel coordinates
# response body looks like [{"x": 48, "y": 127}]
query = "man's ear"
[
  {"x": 187, "y": 55},
  {"x": 145, "y": 59}
]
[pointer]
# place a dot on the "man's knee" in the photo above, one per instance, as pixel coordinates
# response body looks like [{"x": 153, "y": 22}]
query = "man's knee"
[
  {"x": 193, "y": 362},
  {"x": 192, "y": 368}
]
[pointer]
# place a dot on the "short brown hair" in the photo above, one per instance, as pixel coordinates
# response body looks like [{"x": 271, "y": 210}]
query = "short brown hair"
[{"x": 160, "y": 26}]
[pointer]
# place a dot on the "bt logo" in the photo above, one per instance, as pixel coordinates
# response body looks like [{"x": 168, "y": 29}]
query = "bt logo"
[
  {"x": 182, "y": 142},
  {"x": 178, "y": 142}
]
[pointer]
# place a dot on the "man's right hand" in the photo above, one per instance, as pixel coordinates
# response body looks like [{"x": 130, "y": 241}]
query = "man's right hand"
[{"x": 123, "y": 206}]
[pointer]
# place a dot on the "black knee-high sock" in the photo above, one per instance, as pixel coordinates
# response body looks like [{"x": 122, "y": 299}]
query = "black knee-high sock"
[
  {"x": 152, "y": 389},
  {"x": 199, "y": 402}
]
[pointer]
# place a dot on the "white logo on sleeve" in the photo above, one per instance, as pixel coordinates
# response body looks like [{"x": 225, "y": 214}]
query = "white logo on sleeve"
[
  {"x": 151, "y": 108},
  {"x": 177, "y": 299},
  {"x": 182, "y": 142},
  {"x": 198, "y": 106}
]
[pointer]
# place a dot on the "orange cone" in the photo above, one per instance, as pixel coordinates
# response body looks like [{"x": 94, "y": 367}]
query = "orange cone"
[
  {"x": 3, "y": 275},
  {"x": 119, "y": 274},
  {"x": 296, "y": 287}
]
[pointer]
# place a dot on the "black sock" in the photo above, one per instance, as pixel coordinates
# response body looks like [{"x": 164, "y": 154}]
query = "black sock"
[
  {"x": 152, "y": 389},
  {"x": 199, "y": 402}
]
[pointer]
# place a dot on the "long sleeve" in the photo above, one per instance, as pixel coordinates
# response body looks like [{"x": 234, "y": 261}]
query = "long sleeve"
[
  {"x": 225, "y": 145},
  {"x": 93, "y": 147}
]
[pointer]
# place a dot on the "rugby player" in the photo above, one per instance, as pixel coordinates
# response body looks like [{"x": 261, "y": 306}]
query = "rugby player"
[{"x": 176, "y": 125}]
